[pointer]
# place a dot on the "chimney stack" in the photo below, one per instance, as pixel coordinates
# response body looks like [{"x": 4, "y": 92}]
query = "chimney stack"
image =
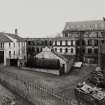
[
  {"x": 16, "y": 31},
  {"x": 104, "y": 18}
]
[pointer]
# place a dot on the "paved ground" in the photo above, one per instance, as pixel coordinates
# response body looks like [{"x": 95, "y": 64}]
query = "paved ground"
[{"x": 63, "y": 85}]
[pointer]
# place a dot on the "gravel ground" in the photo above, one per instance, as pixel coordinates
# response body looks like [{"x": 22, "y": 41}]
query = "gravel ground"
[
  {"x": 8, "y": 98},
  {"x": 62, "y": 84}
]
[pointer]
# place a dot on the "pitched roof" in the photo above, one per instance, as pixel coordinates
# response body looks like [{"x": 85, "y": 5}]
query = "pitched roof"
[
  {"x": 14, "y": 36},
  {"x": 37, "y": 39},
  {"x": 4, "y": 38},
  {"x": 65, "y": 58},
  {"x": 85, "y": 25}
]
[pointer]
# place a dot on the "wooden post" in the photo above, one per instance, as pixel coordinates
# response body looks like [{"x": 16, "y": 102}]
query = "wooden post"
[{"x": 99, "y": 49}]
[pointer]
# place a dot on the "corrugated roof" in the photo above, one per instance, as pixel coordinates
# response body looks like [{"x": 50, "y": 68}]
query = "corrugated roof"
[
  {"x": 4, "y": 38},
  {"x": 85, "y": 25}
]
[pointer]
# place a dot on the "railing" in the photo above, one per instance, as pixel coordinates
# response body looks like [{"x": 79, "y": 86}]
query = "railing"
[{"x": 32, "y": 90}]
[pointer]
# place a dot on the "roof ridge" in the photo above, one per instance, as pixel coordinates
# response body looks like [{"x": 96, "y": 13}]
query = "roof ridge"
[
  {"x": 65, "y": 59},
  {"x": 84, "y": 21},
  {"x": 4, "y": 38}
]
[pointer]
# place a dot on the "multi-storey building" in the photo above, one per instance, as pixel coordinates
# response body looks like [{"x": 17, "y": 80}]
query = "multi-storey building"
[
  {"x": 80, "y": 39},
  {"x": 88, "y": 37},
  {"x": 64, "y": 46},
  {"x": 35, "y": 45},
  {"x": 12, "y": 49}
]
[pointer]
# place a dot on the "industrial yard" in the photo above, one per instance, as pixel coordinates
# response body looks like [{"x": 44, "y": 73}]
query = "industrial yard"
[
  {"x": 9, "y": 98},
  {"x": 62, "y": 86}
]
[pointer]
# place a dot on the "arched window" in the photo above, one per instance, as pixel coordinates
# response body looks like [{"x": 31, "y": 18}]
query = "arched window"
[{"x": 66, "y": 50}]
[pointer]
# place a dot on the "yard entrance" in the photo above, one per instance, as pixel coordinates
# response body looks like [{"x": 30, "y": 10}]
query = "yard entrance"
[{"x": 13, "y": 62}]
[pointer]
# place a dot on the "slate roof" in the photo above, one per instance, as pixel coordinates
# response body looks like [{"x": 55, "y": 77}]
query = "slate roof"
[
  {"x": 85, "y": 25},
  {"x": 65, "y": 58},
  {"x": 4, "y": 38},
  {"x": 14, "y": 36}
]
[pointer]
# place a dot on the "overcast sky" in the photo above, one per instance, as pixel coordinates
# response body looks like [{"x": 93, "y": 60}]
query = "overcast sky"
[{"x": 46, "y": 18}]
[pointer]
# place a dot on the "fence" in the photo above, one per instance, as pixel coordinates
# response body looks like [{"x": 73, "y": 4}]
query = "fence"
[{"x": 31, "y": 90}]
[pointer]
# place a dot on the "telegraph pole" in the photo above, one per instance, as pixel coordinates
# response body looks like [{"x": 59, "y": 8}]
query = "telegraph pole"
[{"x": 99, "y": 49}]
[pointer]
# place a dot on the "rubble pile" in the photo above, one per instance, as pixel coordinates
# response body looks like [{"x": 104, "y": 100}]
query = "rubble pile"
[{"x": 92, "y": 91}]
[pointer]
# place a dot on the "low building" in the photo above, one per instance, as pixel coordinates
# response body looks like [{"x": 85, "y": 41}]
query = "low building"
[
  {"x": 12, "y": 49},
  {"x": 65, "y": 64}
]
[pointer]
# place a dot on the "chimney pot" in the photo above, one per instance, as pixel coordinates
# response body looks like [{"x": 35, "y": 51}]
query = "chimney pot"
[{"x": 16, "y": 31}]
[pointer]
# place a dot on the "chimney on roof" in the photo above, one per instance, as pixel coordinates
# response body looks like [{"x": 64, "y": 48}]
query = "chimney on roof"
[
  {"x": 104, "y": 18},
  {"x": 16, "y": 31}
]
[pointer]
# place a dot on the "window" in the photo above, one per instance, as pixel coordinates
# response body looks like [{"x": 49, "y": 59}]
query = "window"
[
  {"x": 14, "y": 44},
  {"x": 89, "y": 42},
  {"x": 66, "y": 50},
  {"x": 83, "y": 50},
  {"x": 89, "y": 50},
  {"x": 50, "y": 43},
  {"x": 2, "y": 45},
  {"x": 29, "y": 43},
  {"x": 72, "y": 50},
  {"x": 55, "y": 43},
  {"x": 24, "y": 57},
  {"x": 96, "y": 51},
  {"x": 14, "y": 53},
  {"x": 61, "y": 50},
  {"x": 66, "y": 34},
  {"x": 60, "y": 43},
  {"x": 66, "y": 42},
  {"x": 19, "y": 44},
  {"x": 71, "y": 42},
  {"x": 56, "y": 49},
  {"x": 96, "y": 42},
  {"x": 9, "y": 53},
  {"x": 102, "y": 41},
  {"x": 9, "y": 44},
  {"x": 41, "y": 49},
  {"x": 46, "y": 43},
  {"x": 19, "y": 52}
]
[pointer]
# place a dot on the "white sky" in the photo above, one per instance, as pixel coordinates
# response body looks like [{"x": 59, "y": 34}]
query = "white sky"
[{"x": 46, "y": 18}]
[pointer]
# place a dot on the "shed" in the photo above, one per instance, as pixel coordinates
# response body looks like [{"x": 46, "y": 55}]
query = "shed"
[{"x": 65, "y": 63}]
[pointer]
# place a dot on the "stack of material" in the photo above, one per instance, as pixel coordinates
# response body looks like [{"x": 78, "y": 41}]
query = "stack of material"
[
  {"x": 6, "y": 97},
  {"x": 90, "y": 95},
  {"x": 97, "y": 78}
]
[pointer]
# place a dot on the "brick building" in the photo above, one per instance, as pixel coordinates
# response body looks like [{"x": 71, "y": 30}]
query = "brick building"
[
  {"x": 35, "y": 45},
  {"x": 87, "y": 36}
]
